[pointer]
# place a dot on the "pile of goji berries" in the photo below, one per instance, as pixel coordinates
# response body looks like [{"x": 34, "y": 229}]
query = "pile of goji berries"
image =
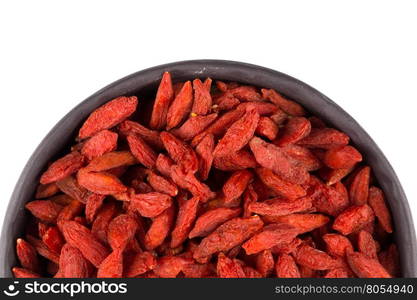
[{"x": 225, "y": 180}]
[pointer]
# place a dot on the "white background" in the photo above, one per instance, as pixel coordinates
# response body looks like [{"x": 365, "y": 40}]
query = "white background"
[{"x": 362, "y": 54}]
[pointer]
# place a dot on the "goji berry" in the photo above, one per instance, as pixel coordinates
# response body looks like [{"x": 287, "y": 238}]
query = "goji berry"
[
  {"x": 181, "y": 106},
  {"x": 226, "y": 236},
  {"x": 163, "y": 99},
  {"x": 100, "y": 143},
  {"x": 353, "y": 219},
  {"x": 108, "y": 115},
  {"x": 377, "y": 202},
  {"x": 272, "y": 157},
  {"x": 202, "y": 97},
  {"x": 63, "y": 167},
  {"x": 210, "y": 220},
  {"x": 238, "y": 135},
  {"x": 366, "y": 267},
  {"x": 286, "y": 267},
  {"x": 270, "y": 236},
  {"x": 295, "y": 129}
]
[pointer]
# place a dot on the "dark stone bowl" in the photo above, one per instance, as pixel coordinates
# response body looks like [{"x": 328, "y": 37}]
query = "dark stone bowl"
[{"x": 144, "y": 81}]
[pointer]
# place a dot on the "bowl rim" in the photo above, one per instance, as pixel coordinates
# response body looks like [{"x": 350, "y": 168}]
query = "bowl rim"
[{"x": 225, "y": 70}]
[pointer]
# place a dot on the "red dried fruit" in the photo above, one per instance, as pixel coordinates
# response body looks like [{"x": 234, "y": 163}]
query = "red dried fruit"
[
  {"x": 342, "y": 158},
  {"x": 265, "y": 263},
  {"x": 112, "y": 266},
  {"x": 102, "y": 142},
  {"x": 334, "y": 175},
  {"x": 53, "y": 239},
  {"x": 239, "y": 160},
  {"x": 251, "y": 272},
  {"x": 193, "y": 126},
  {"x": 249, "y": 196},
  {"x": 63, "y": 167},
  {"x": 69, "y": 185},
  {"x": 42, "y": 249},
  {"x": 111, "y": 160},
  {"x": 163, "y": 165},
  {"x": 238, "y": 135},
  {"x": 367, "y": 244},
  {"x": 228, "y": 268},
  {"x": 211, "y": 219},
  {"x": 262, "y": 108},
  {"x": 353, "y": 219},
  {"x": 107, "y": 195},
  {"x": 194, "y": 270},
  {"x": 359, "y": 188},
  {"x": 204, "y": 151},
  {"x": 336, "y": 273},
  {"x": 303, "y": 222},
  {"x": 365, "y": 267},
  {"x": 245, "y": 93},
  {"x": 227, "y": 236},
  {"x": 170, "y": 266},
  {"x": 185, "y": 220},
  {"x": 189, "y": 182},
  {"x": 45, "y": 210},
  {"x": 102, "y": 183},
  {"x": 290, "y": 107},
  {"x": 327, "y": 199},
  {"x": 286, "y": 267},
  {"x": 27, "y": 256},
  {"x": 202, "y": 98},
  {"x": 42, "y": 228},
  {"x": 148, "y": 135},
  {"x": 181, "y": 106},
  {"x": 288, "y": 248},
  {"x": 160, "y": 184},
  {"x": 296, "y": 129},
  {"x": 315, "y": 259},
  {"x": 342, "y": 190},
  {"x": 177, "y": 87},
  {"x": 280, "y": 187},
  {"x": 180, "y": 152},
  {"x": 276, "y": 207},
  {"x": 337, "y": 245},
  {"x": 139, "y": 264},
  {"x": 70, "y": 211},
  {"x": 325, "y": 138},
  {"x": 93, "y": 204},
  {"x": 159, "y": 229},
  {"x": 121, "y": 231},
  {"x": 108, "y": 115},
  {"x": 279, "y": 117},
  {"x": 81, "y": 238},
  {"x": 267, "y": 128},
  {"x": 270, "y": 236},
  {"x": 163, "y": 99},
  {"x": 142, "y": 151},
  {"x": 377, "y": 202},
  {"x": 272, "y": 157},
  {"x": 24, "y": 273},
  {"x": 219, "y": 127},
  {"x": 236, "y": 185},
  {"x": 72, "y": 263},
  {"x": 390, "y": 260},
  {"x": 222, "y": 86},
  {"x": 46, "y": 190},
  {"x": 150, "y": 205},
  {"x": 225, "y": 101},
  {"x": 302, "y": 157}
]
